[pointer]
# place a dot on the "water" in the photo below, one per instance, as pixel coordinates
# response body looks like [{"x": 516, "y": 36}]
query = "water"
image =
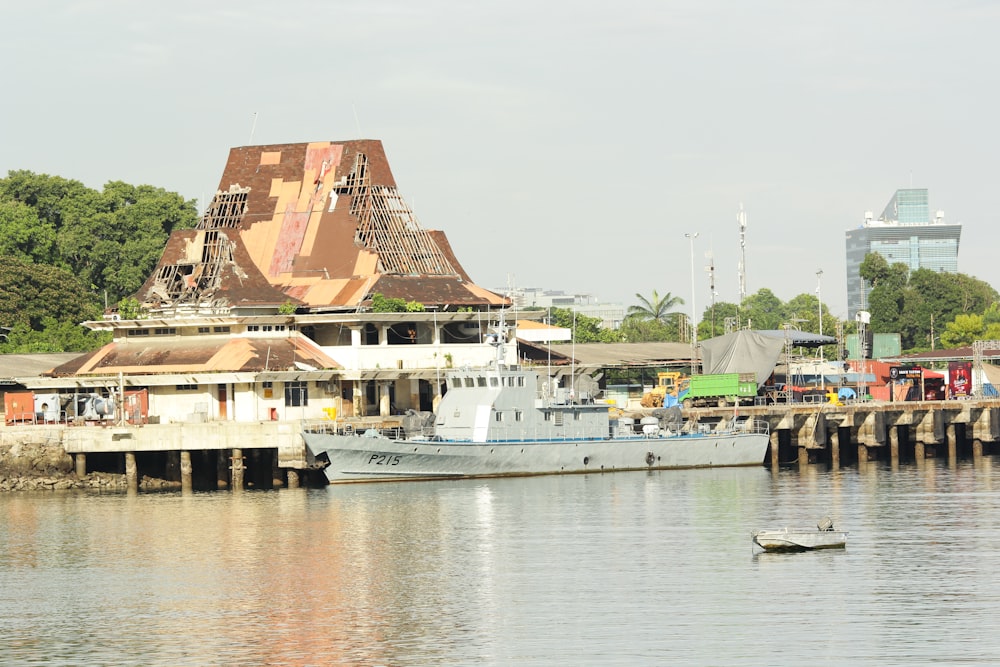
[{"x": 618, "y": 569}]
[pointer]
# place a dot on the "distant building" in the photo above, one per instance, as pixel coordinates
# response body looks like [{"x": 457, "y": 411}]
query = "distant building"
[
  {"x": 903, "y": 233},
  {"x": 610, "y": 314}
]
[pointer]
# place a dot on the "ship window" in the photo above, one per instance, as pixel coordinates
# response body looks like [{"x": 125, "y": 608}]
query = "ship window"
[
  {"x": 481, "y": 381},
  {"x": 576, "y": 416},
  {"x": 548, "y": 416},
  {"x": 520, "y": 380},
  {"x": 493, "y": 382},
  {"x": 518, "y": 415},
  {"x": 499, "y": 417}
]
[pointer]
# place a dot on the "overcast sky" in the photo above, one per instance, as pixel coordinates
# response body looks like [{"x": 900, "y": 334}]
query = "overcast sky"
[{"x": 561, "y": 145}]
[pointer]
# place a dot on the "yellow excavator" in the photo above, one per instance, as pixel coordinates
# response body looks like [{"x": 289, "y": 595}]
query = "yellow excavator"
[{"x": 669, "y": 383}]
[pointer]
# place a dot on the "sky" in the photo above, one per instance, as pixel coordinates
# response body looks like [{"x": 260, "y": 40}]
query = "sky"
[{"x": 560, "y": 145}]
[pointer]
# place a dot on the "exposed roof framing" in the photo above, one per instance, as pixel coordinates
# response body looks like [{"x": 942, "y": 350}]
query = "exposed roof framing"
[
  {"x": 226, "y": 210},
  {"x": 388, "y": 227}
]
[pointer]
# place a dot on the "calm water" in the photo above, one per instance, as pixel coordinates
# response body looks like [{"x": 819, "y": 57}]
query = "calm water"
[{"x": 618, "y": 569}]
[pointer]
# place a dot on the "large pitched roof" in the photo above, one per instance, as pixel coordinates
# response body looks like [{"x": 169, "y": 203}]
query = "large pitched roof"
[{"x": 317, "y": 224}]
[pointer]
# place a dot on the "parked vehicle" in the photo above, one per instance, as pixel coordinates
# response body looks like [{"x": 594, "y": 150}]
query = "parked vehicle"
[{"x": 720, "y": 390}]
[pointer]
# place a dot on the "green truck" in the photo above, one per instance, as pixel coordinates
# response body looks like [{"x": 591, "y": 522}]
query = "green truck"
[{"x": 720, "y": 390}]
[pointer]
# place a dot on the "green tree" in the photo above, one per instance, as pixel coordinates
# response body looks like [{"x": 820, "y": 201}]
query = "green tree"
[
  {"x": 23, "y": 235},
  {"x": 43, "y": 306},
  {"x": 636, "y": 330},
  {"x": 763, "y": 310},
  {"x": 111, "y": 239},
  {"x": 585, "y": 329},
  {"x": 656, "y": 308},
  {"x": 963, "y": 330},
  {"x": 31, "y": 292}
]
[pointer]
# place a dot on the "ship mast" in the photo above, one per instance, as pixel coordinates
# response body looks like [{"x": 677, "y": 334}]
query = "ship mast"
[{"x": 741, "y": 218}]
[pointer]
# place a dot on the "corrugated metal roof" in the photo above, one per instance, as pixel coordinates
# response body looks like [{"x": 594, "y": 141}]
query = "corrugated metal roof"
[{"x": 191, "y": 355}]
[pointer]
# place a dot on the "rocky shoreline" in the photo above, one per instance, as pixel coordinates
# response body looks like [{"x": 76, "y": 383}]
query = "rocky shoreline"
[{"x": 41, "y": 466}]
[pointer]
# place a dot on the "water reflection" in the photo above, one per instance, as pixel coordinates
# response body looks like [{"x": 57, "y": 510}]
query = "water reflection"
[{"x": 624, "y": 568}]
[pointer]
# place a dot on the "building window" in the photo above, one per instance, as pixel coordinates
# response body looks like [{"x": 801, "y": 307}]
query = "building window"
[
  {"x": 165, "y": 331},
  {"x": 138, "y": 332},
  {"x": 204, "y": 330},
  {"x": 253, "y": 327},
  {"x": 296, "y": 394},
  {"x": 220, "y": 329},
  {"x": 186, "y": 387}
]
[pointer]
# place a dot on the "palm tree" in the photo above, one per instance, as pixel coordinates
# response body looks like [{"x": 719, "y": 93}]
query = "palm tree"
[{"x": 658, "y": 308}]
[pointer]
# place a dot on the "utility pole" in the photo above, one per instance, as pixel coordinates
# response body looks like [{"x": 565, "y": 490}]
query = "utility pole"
[{"x": 691, "y": 236}]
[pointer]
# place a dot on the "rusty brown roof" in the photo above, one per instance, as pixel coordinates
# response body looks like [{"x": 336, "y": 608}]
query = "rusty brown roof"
[
  {"x": 319, "y": 224},
  {"x": 184, "y": 355}
]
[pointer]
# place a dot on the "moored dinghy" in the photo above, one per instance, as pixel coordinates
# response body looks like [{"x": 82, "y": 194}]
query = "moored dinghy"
[{"x": 824, "y": 536}]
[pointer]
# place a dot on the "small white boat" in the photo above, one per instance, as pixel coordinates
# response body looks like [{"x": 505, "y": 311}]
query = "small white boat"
[{"x": 801, "y": 539}]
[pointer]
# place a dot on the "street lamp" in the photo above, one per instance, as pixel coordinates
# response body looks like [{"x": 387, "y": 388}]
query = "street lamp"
[{"x": 694, "y": 324}]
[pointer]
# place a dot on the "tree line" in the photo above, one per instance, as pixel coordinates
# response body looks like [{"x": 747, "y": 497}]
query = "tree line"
[
  {"x": 67, "y": 252},
  {"x": 928, "y": 309}
]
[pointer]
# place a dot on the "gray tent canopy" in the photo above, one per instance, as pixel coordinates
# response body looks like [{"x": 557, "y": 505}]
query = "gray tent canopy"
[
  {"x": 798, "y": 338},
  {"x": 742, "y": 351}
]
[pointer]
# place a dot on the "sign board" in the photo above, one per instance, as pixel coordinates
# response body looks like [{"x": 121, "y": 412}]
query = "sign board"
[{"x": 905, "y": 373}]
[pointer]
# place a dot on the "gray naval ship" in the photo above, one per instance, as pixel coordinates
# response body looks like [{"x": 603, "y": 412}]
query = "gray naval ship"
[{"x": 503, "y": 421}]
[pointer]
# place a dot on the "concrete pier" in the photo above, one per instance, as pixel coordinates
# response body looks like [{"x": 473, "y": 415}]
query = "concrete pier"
[
  {"x": 890, "y": 431},
  {"x": 237, "y": 467},
  {"x": 186, "y": 471}
]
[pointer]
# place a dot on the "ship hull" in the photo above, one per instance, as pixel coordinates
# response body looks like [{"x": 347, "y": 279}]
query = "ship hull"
[{"x": 360, "y": 458}]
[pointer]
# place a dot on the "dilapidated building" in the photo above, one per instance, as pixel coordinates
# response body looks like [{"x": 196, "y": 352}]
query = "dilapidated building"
[{"x": 264, "y": 310}]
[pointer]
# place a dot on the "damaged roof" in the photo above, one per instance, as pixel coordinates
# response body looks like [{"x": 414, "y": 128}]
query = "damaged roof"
[{"x": 321, "y": 225}]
